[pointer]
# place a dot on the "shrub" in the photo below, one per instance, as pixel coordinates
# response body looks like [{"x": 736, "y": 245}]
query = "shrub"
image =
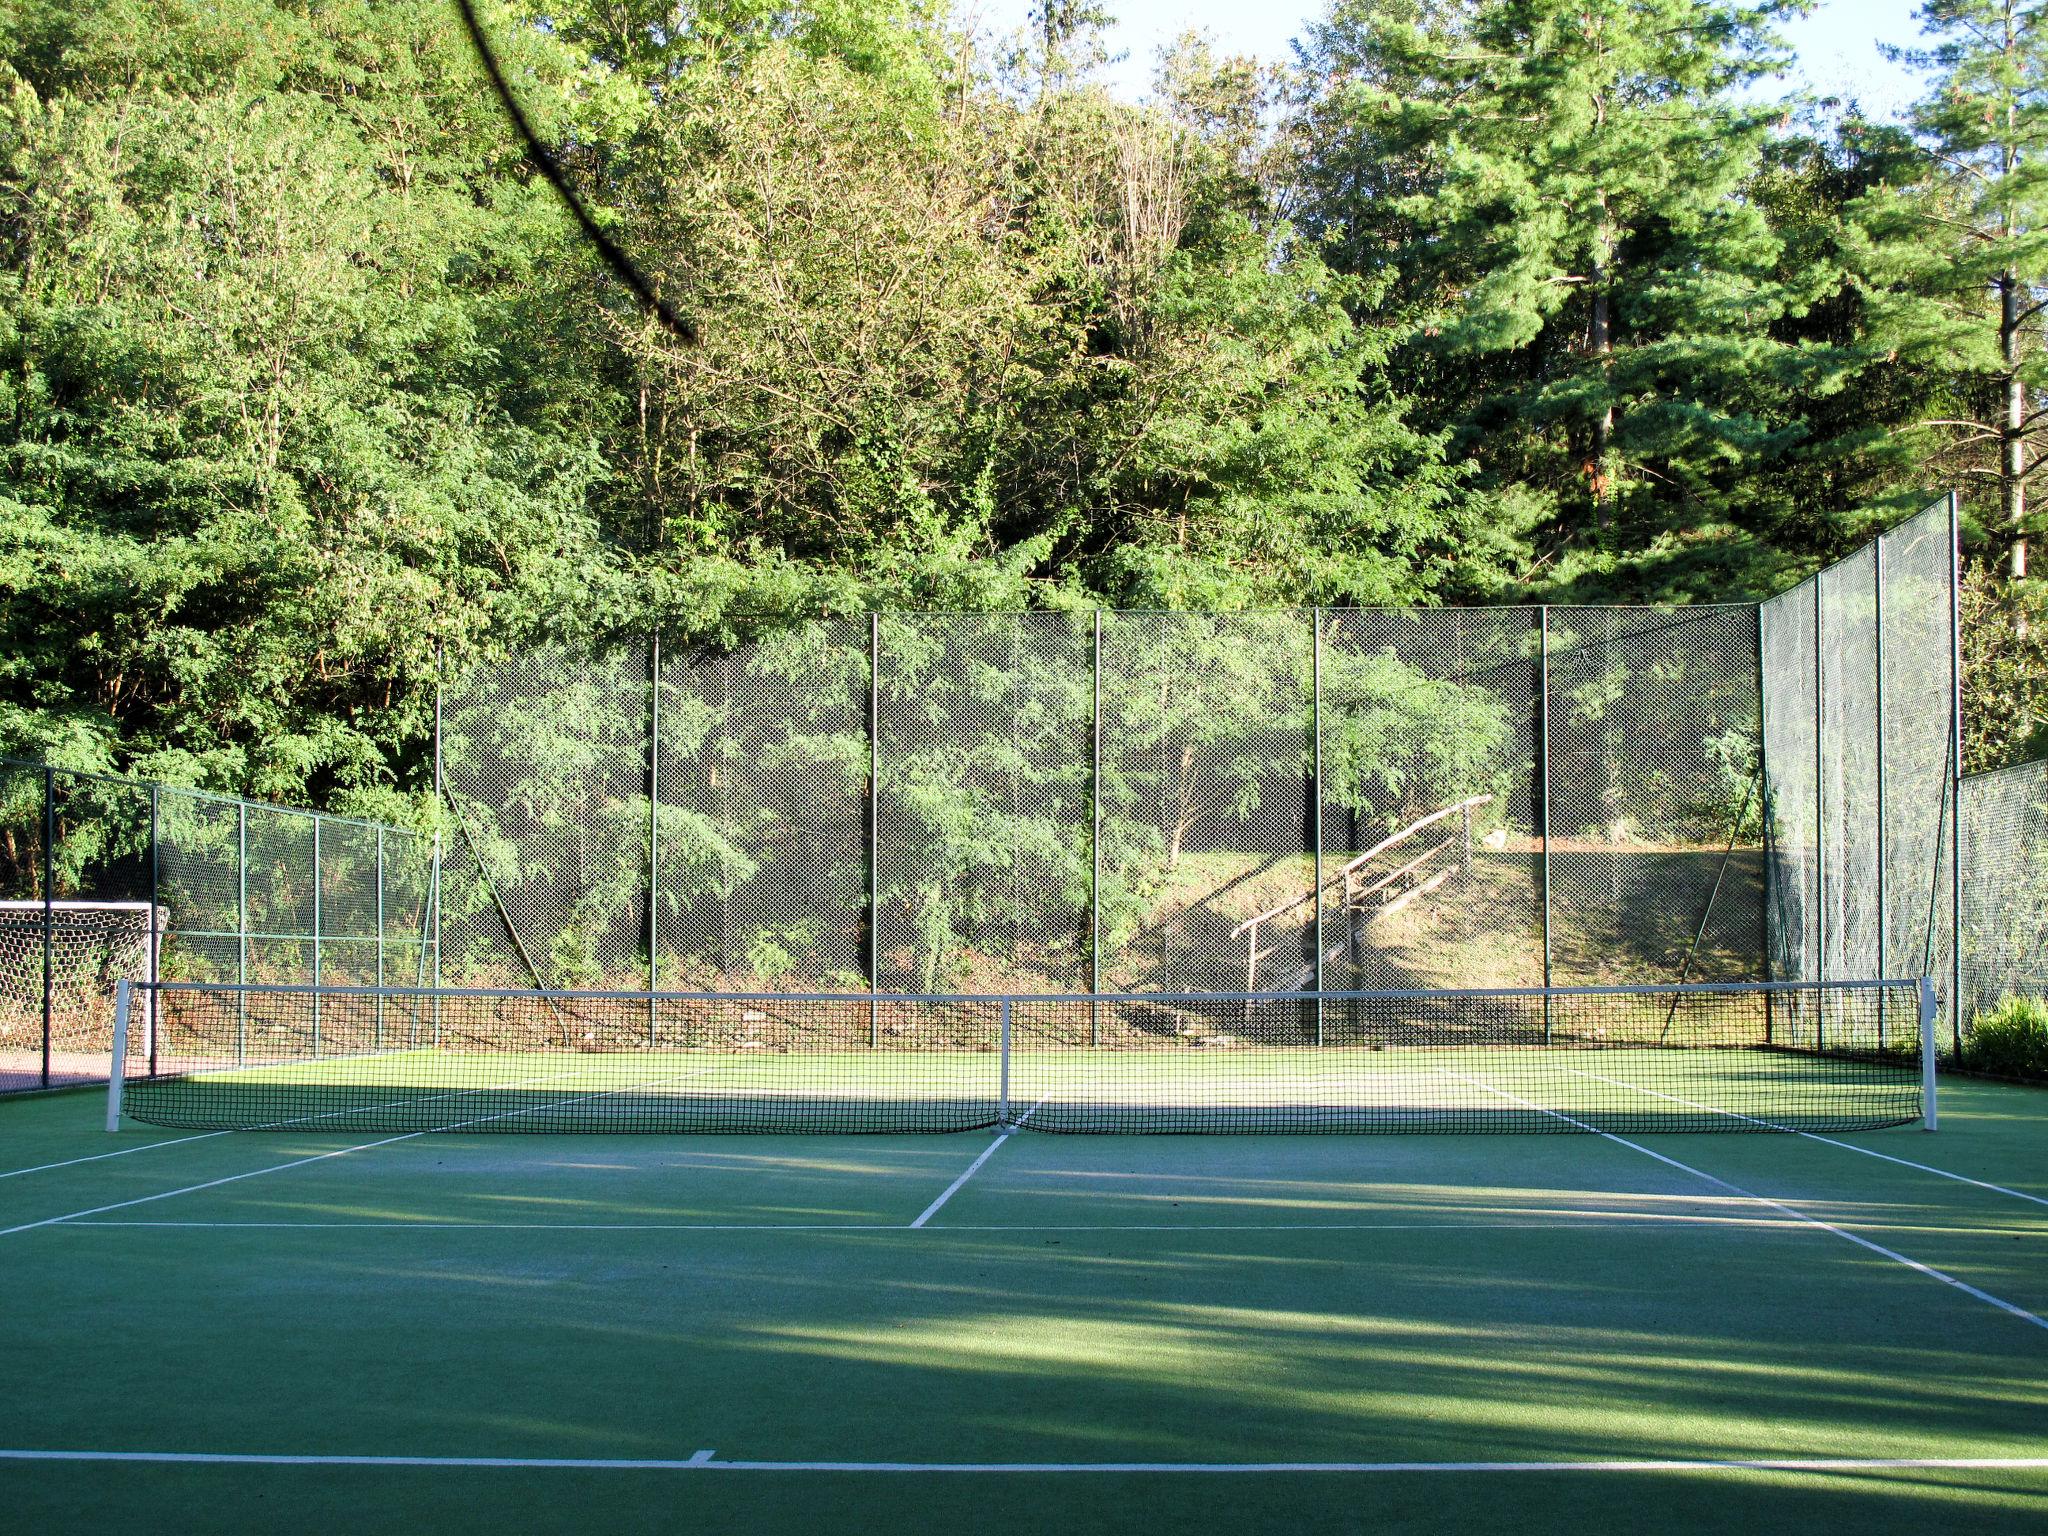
[{"x": 2010, "y": 1040}]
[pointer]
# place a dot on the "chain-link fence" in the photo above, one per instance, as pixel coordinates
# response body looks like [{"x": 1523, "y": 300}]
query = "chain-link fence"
[
  {"x": 1859, "y": 733},
  {"x": 104, "y": 879},
  {"x": 1118, "y": 801},
  {"x": 2005, "y": 892}
]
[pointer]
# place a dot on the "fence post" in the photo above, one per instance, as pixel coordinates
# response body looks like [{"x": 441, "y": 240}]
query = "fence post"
[
  {"x": 653, "y": 827},
  {"x": 241, "y": 932},
  {"x": 156, "y": 937},
  {"x": 874, "y": 827},
  {"x": 49, "y": 911},
  {"x": 1316, "y": 798},
  {"x": 380, "y": 938},
  {"x": 1095, "y": 846},
  {"x": 434, "y": 879},
  {"x": 1770, "y": 871},
  {"x": 1884, "y": 926},
  {"x": 317, "y": 972},
  {"x": 1955, "y": 821},
  {"x": 1543, "y": 774},
  {"x": 1820, "y": 791}
]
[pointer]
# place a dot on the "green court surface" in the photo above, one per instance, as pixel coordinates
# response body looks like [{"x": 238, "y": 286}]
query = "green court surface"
[{"x": 324, "y": 1330}]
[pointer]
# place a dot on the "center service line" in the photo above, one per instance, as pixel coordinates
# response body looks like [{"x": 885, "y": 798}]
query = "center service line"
[{"x": 974, "y": 1167}]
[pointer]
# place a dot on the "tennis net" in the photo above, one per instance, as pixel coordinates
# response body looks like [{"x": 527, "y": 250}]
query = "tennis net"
[{"x": 1732, "y": 1057}]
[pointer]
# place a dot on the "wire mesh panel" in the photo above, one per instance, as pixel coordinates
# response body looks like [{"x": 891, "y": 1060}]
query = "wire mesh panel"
[
  {"x": 1643, "y": 1059},
  {"x": 983, "y": 802},
  {"x": 1849, "y": 757},
  {"x": 1207, "y": 873},
  {"x": 1791, "y": 664},
  {"x": 1432, "y": 855},
  {"x": 1654, "y": 798},
  {"x": 280, "y": 885},
  {"x": 761, "y": 851},
  {"x": 2005, "y": 897},
  {"x": 1917, "y": 680},
  {"x": 546, "y": 761},
  {"x": 199, "y": 857}
]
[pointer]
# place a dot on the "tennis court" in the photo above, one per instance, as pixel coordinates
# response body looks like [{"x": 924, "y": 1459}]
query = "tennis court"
[{"x": 346, "y": 1330}]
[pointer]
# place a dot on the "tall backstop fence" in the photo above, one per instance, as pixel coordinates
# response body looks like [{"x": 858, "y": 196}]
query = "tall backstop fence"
[
  {"x": 1097, "y": 802},
  {"x": 1105, "y": 804},
  {"x": 106, "y": 879}
]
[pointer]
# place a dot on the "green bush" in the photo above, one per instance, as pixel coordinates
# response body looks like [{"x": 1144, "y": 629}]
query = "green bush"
[{"x": 2010, "y": 1040}]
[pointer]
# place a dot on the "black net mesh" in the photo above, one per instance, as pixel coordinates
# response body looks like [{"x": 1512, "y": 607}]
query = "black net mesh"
[
  {"x": 2005, "y": 899},
  {"x": 1432, "y": 853},
  {"x": 1655, "y": 831},
  {"x": 1629, "y": 1060}
]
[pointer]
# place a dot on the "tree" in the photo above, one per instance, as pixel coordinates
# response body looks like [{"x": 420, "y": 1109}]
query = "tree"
[
  {"x": 1559, "y": 187},
  {"x": 1956, "y": 260}
]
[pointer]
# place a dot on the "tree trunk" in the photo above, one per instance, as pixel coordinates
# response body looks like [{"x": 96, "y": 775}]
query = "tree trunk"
[{"x": 2012, "y": 464}]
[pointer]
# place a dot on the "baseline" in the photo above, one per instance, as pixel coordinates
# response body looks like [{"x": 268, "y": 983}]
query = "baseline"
[{"x": 707, "y": 1461}]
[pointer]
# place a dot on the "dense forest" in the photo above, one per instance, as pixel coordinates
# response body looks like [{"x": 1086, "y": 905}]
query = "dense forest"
[{"x": 306, "y": 374}]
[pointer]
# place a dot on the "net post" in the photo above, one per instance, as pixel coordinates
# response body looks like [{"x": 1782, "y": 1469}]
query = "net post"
[
  {"x": 49, "y": 911},
  {"x": 1095, "y": 847},
  {"x": 241, "y": 932},
  {"x": 117, "y": 1069},
  {"x": 1543, "y": 773},
  {"x": 874, "y": 827},
  {"x": 1955, "y": 784},
  {"x": 1929, "y": 1007},
  {"x": 1315, "y": 809},
  {"x": 1003, "y": 1070}
]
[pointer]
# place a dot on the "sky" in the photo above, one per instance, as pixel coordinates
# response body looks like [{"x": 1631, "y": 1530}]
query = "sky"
[{"x": 1837, "y": 45}]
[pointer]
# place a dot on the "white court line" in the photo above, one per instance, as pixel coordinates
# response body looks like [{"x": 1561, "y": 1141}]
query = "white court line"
[
  {"x": 974, "y": 1167},
  {"x": 1847, "y": 1146},
  {"x": 268, "y": 1125},
  {"x": 321, "y": 1157},
  {"x": 1591, "y": 1222},
  {"x": 1735, "y": 1189},
  {"x": 73, "y": 1162},
  {"x": 706, "y": 1461}
]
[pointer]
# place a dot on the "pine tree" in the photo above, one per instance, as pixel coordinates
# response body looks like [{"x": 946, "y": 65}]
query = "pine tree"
[
  {"x": 1956, "y": 261},
  {"x": 1591, "y": 288}
]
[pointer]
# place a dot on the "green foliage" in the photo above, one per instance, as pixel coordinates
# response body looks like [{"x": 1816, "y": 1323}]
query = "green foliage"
[{"x": 2010, "y": 1040}]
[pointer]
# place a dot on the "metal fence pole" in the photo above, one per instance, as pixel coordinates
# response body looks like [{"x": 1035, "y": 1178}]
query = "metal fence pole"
[
  {"x": 317, "y": 972},
  {"x": 1820, "y": 792},
  {"x": 241, "y": 931},
  {"x": 1770, "y": 871},
  {"x": 1955, "y": 783},
  {"x": 1543, "y": 775},
  {"x": 434, "y": 879},
  {"x": 1884, "y": 927},
  {"x": 1316, "y": 797},
  {"x": 156, "y": 937},
  {"x": 874, "y": 827},
  {"x": 653, "y": 826},
  {"x": 380, "y": 939},
  {"x": 1095, "y": 845},
  {"x": 49, "y": 911}
]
